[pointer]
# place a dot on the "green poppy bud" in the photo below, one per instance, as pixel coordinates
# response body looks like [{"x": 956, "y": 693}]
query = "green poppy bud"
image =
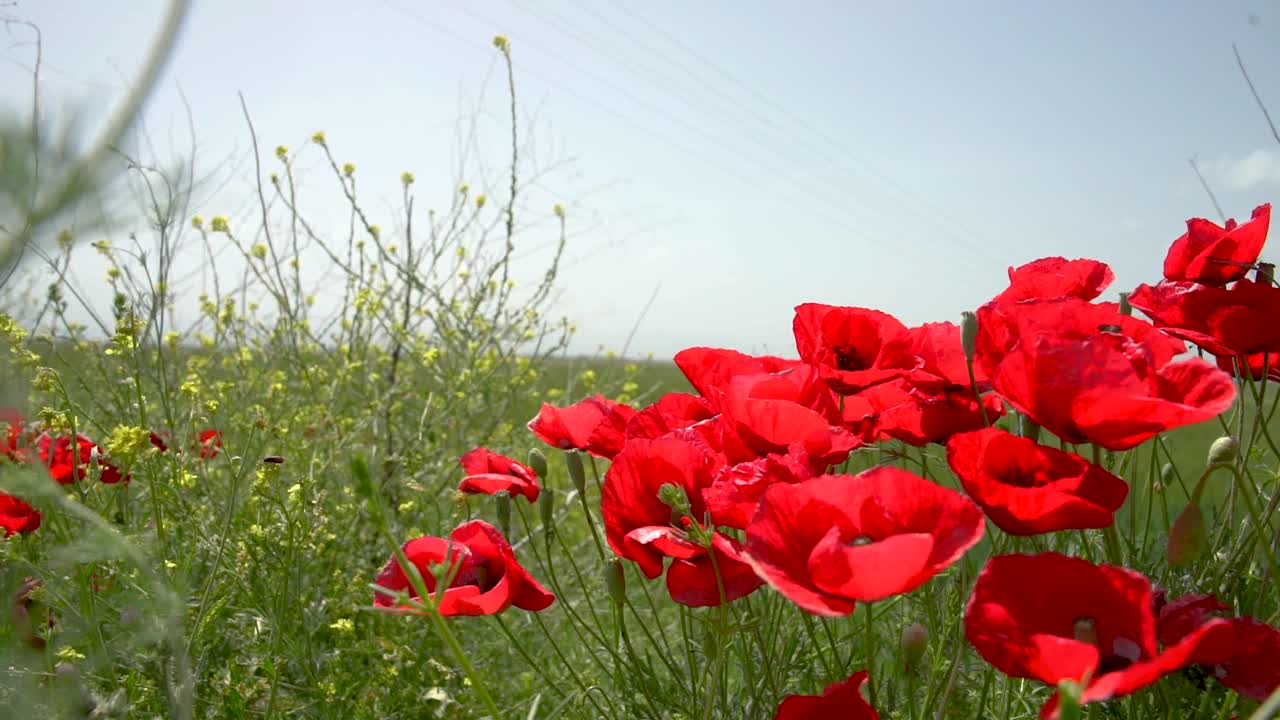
[
  {"x": 547, "y": 509},
  {"x": 1223, "y": 450},
  {"x": 915, "y": 639},
  {"x": 573, "y": 461},
  {"x": 503, "y": 500},
  {"x": 1186, "y": 537},
  {"x": 1125, "y": 307},
  {"x": 616, "y": 581},
  {"x": 538, "y": 462},
  {"x": 674, "y": 497},
  {"x": 969, "y": 334},
  {"x": 1264, "y": 272}
]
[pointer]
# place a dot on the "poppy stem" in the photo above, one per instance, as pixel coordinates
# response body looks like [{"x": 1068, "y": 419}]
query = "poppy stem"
[
  {"x": 869, "y": 650},
  {"x": 361, "y": 470}
]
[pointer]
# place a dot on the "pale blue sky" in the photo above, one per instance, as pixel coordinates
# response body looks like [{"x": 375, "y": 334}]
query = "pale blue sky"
[{"x": 740, "y": 158}]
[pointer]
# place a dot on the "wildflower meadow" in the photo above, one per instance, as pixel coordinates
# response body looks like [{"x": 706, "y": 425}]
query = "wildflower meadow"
[{"x": 408, "y": 501}]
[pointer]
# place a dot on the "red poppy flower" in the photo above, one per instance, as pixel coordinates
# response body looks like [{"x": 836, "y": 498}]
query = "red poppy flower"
[
  {"x": 16, "y": 516},
  {"x": 840, "y": 701},
  {"x": 1240, "y": 320},
  {"x": 1213, "y": 255},
  {"x": 835, "y": 540},
  {"x": 1088, "y": 374},
  {"x": 944, "y": 366},
  {"x": 673, "y": 411},
  {"x": 736, "y": 490},
  {"x": 768, "y": 414},
  {"x": 637, "y": 524},
  {"x": 1256, "y": 365},
  {"x": 712, "y": 578},
  {"x": 855, "y": 348},
  {"x": 67, "y": 466},
  {"x": 486, "y": 577},
  {"x": 488, "y": 473},
  {"x": 11, "y": 435},
  {"x": 1056, "y": 277},
  {"x": 1175, "y": 619},
  {"x": 159, "y": 441},
  {"x": 898, "y": 411},
  {"x": 210, "y": 443},
  {"x": 1027, "y": 488},
  {"x": 1003, "y": 327},
  {"x": 709, "y": 370},
  {"x": 1253, "y": 666},
  {"x": 1050, "y": 617},
  {"x": 595, "y": 424}
]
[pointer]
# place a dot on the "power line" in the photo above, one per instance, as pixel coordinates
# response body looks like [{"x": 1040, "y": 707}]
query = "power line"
[
  {"x": 951, "y": 224},
  {"x": 829, "y": 211}
]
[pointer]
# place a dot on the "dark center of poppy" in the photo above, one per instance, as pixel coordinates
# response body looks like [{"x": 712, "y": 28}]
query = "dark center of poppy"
[
  {"x": 477, "y": 575},
  {"x": 848, "y": 358},
  {"x": 861, "y": 540},
  {"x": 1109, "y": 328},
  {"x": 1022, "y": 479},
  {"x": 1122, "y": 653}
]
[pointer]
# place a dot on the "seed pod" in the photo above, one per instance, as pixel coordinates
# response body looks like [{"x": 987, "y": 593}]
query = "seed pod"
[
  {"x": 573, "y": 461},
  {"x": 503, "y": 500},
  {"x": 1186, "y": 537},
  {"x": 538, "y": 462},
  {"x": 915, "y": 639},
  {"x": 969, "y": 335},
  {"x": 1223, "y": 450},
  {"x": 547, "y": 509},
  {"x": 616, "y": 581}
]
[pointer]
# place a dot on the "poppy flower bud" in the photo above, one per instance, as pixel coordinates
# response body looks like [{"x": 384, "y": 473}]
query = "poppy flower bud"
[
  {"x": 674, "y": 497},
  {"x": 616, "y": 581},
  {"x": 1186, "y": 537},
  {"x": 538, "y": 462},
  {"x": 547, "y": 509},
  {"x": 503, "y": 500},
  {"x": 969, "y": 334},
  {"x": 1166, "y": 477},
  {"x": 1125, "y": 307},
  {"x": 573, "y": 461},
  {"x": 1223, "y": 450},
  {"x": 914, "y": 641}
]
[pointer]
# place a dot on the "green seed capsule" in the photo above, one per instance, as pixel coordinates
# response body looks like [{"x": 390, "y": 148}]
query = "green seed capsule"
[
  {"x": 1186, "y": 537},
  {"x": 1223, "y": 450},
  {"x": 616, "y": 581},
  {"x": 538, "y": 462},
  {"x": 573, "y": 461},
  {"x": 503, "y": 500}
]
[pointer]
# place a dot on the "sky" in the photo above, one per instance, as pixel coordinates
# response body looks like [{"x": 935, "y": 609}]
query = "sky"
[{"x": 720, "y": 162}]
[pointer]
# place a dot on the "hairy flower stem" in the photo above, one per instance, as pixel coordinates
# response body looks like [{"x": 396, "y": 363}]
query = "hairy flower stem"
[{"x": 869, "y": 649}]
